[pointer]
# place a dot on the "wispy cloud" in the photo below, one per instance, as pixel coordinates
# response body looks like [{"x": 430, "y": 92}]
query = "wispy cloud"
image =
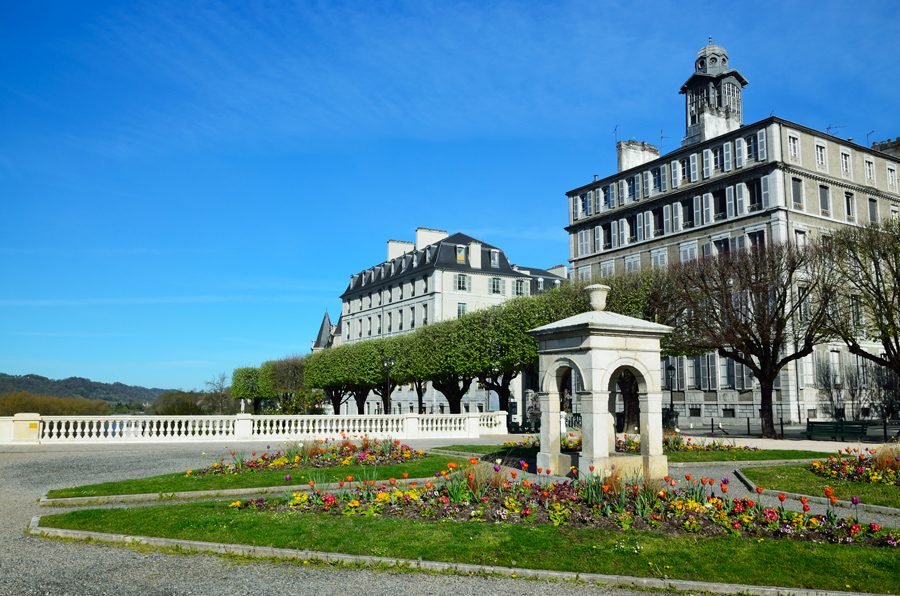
[{"x": 82, "y": 335}]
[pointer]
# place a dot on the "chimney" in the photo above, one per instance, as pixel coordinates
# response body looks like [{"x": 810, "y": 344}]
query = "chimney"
[
  {"x": 559, "y": 271},
  {"x": 397, "y": 248},
  {"x": 475, "y": 254},
  {"x": 426, "y": 236},
  {"x": 889, "y": 147},
  {"x": 632, "y": 154}
]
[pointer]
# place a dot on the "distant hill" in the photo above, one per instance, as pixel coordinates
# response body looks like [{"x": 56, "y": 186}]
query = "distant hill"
[{"x": 77, "y": 387}]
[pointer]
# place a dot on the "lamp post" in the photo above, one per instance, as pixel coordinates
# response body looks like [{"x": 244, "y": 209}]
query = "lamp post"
[
  {"x": 670, "y": 373},
  {"x": 388, "y": 363}
]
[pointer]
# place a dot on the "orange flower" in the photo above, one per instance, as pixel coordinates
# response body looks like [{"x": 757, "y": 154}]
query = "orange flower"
[
  {"x": 349, "y": 478},
  {"x": 341, "y": 483},
  {"x": 687, "y": 476},
  {"x": 591, "y": 468},
  {"x": 829, "y": 491},
  {"x": 805, "y": 508},
  {"x": 513, "y": 473},
  {"x": 605, "y": 488},
  {"x": 371, "y": 483},
  {"x": 232, "y": 453},
  {"x": 782, "y": 497},
  {"x": 452, "y": 465},
  {"x": 413, "y": 485},
  {"x": 833, "y": 499},
  {"x": 540, "y": 470},
  {"x": 724, "y": 488},
  {"x": 548, "y": 471},
  {"x": 392, "y": 481},
  {"x": 759, "y": 490},
  {"x": 473, "y": 460},
  {"x": 666, "y": 478},
  {"x": 803, "y": 500},
  {"x": 406, "y": 474},
  {"x": 471, "y": 476},
  {"x": 525, "y": 467}
]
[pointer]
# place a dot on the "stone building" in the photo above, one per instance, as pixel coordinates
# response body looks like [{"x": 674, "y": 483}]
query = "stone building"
[
  {"x": 437, "y": 277},
  {"x": 729, "y": 186}
]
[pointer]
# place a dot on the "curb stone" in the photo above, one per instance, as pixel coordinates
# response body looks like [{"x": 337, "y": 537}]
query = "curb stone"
[
  {"x": 820, "y": 500},
  {"x": 283, "y": 553}
]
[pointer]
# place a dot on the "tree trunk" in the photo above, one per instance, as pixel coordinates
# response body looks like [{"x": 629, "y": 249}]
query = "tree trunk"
[
  {"x": 385, "y": 397},
  {"x": 335, "y": 396},
  {"x": 767, "y": 416},
  {"x": 420, "y": 392},
  {"x": 628, "y": 386},
  {"x": 500, "y": 384},
  {"x": 454, "y": 390},
  {"x": 360, "y": 395}
]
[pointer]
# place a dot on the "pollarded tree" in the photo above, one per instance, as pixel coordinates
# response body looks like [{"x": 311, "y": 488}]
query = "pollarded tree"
[
  {"x": 440, "y": 354},
  {"x": 867, "y": 261},
  {"x": 499, "y": 345},
  {"x": 289, "y": 384},
  {"x": 763, "y": 308},
  {"x": 253, "y": 384},
  {"x": 324, "y": 370}
]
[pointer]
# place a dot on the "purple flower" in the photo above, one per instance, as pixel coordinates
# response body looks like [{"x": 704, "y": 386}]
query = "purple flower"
[
  {"x": 287, "y": 478},
  {"x": 496, "y": 468},
  {"x": 855, "y": 500},
  {"x": 725, "y": 480}
]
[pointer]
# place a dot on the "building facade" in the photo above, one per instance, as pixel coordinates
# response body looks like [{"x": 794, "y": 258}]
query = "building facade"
[
  {"x": 729, "y": 187},
  {"x": 438, "y": 277}
]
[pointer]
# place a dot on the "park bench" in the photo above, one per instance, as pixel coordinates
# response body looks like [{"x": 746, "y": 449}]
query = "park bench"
[{"x": 839, "y": 428}]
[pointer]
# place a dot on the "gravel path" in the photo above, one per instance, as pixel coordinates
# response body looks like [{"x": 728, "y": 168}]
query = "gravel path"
[{"x": 30, "y": 565}]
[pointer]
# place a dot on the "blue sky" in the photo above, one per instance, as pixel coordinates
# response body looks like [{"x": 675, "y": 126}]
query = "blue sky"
[{"x": 185, "y": 187}]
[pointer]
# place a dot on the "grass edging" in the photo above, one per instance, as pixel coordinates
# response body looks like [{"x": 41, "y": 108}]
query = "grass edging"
[
  {"x": 197, "y": 494},
  {"x": 200, "y": 547},
  {"x": 820, "y": 500}
]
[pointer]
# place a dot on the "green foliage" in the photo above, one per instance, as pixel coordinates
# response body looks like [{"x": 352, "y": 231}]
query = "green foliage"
[
  {"x": 177, "y": 403},
  {"x": 76, "y": 387},
  {"x": 491, "y": 344},
  {"x": 46, "y": 405}
]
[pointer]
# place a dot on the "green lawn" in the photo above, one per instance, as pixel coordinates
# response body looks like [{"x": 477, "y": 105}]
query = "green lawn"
[
  {"x": 676, "y": 457},
  {"x": 797, "y": 565},
  {"x": 798, "y": 479},
  {"x": 180, "y": 482}
]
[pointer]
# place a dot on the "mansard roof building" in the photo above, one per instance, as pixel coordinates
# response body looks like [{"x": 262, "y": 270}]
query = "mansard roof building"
[{"x": 728, "y": 186}]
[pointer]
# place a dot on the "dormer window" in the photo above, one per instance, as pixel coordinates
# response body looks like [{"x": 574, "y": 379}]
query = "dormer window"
[
  {"x": 460, "y": 254},
  {"x": 495, "y": 258},
  {"x": 540, "y": 284}
]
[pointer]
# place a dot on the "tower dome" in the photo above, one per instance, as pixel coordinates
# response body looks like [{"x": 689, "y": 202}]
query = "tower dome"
[
  {"x": 713, "y": 103},
  {"x": 711, "y": 59}
]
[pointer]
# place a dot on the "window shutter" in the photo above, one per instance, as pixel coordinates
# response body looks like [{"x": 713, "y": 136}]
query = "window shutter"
[
  {"x": 738, "y": 376},
  {"x": 598, "y": 197},
  {"x": 612, "y": 195},
  {"x": 637, "y": 188},
  {"x": 640, "y": 226},
  {"x": 663, "y": 174},
  {"x": 704, "y": 373},
  {"x": 732, "y": 244},
  {"x": 648, "y": 225},
  {"x": 621, "y": 192},
  {"x": 693, "y": 167},
  {"x": 761, "y": 145},
  {"x": 623, "y": 234},
  {"x": 676, "y": 217},
  {"x": 676, "y": 175},
  {"x": 729, "y": 202},
  {"x": 503, "y": 287},
  {"x": 680, "y": 373},
  {"x": 706, "y": 159},
  {"x": 801, "y": 373},
  {"x": 727, "y": 152},
  {"x": 614, "y": 235},
  {"x": 707, "y": 208},
  {"x": 764, "y": 185},
  {"x": 589, "y": 204},
  {"x": 647, "y": 184},
  {"x": 667, "y": 222},
  {"x": 575, "y": 202},
  {"x": 739, "y": 153},
  {"x": 707, "y": 250},
  {"x": 713, "y": 368},
  {"x": 739, "y": 203},
  {"x": 731, "y": 367},
  {"x": 698, "y": 220}
]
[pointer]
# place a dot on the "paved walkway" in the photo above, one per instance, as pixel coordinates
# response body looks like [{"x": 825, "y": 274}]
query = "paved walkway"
[{"x": 31, "y": 565}]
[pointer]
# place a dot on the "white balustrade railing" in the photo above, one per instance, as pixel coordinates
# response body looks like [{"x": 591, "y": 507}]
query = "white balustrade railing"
[
  {"x": 33, "y": 428},
  {"x": 134, "y": 429}
]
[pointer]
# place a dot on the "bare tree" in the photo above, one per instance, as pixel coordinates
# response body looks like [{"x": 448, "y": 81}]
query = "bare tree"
[
  {"x": 218, "y": 396},
  {"x": 867, "y": 261},
  {"x": 843, "y": 389},
  {"x": 763, "y": 308}
]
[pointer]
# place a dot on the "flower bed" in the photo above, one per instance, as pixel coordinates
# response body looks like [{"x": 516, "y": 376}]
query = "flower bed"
[
  {"x": 314, "y": 454},
  {"x": 672, "y": 442},
  {"x": 881, "y": 466},
  {"x": 482, "y": 493}
]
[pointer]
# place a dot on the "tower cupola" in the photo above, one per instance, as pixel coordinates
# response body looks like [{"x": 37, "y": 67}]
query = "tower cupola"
[{"x": 713, "y": 102}]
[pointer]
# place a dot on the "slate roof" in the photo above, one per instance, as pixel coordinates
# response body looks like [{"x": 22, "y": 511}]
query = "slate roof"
[
  {"x": 323, "y": 340},
  {"x": 440, "y": 255}
]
